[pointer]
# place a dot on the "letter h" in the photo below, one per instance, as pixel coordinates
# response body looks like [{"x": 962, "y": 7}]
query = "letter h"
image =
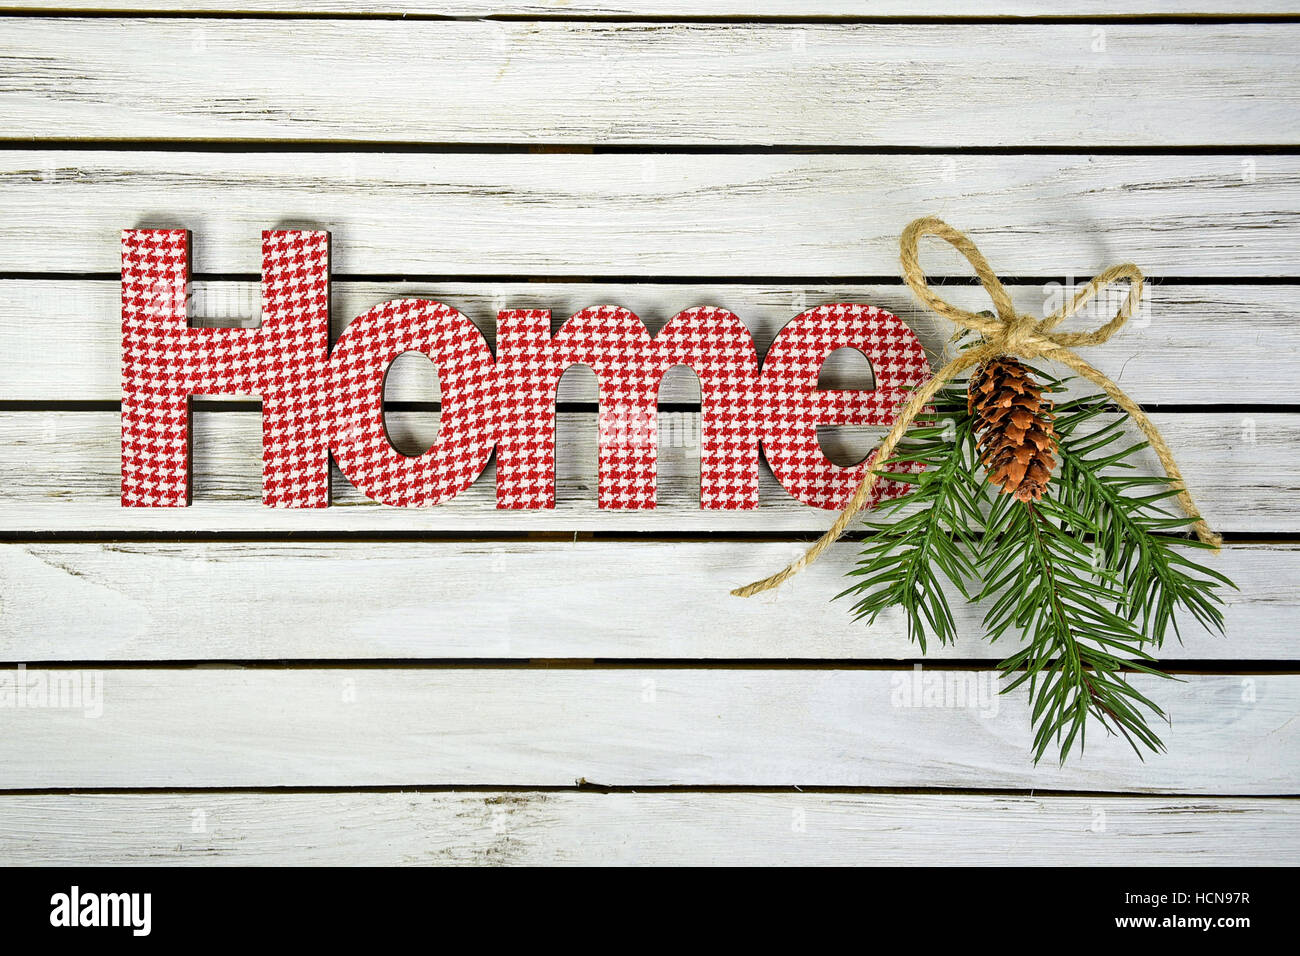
[{"x": 165, "y": 362}]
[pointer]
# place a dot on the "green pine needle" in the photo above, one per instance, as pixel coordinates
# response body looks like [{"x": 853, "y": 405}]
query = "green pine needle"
[
  {"x": 1087, "y": 578},
  {"x": 904, "y": 563},
  {"x": 1134, "y": 534},
  {"x": 1044, "y": 586}
]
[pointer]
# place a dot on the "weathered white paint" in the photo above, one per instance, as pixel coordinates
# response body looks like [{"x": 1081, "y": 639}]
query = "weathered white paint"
[
  {"x": 585, "y": 599},
  {"x": 690, "y": 8},
  {"x": 62, "y": 471},
  {"x": 470, "y": 81},
  {"x": 681, "y": 214},
  {"x": 679, "y": 829},
  {"x": 63, "y": 337},
  {"x": 634, "y": 214},
  {"x": 549, "y": 726}
]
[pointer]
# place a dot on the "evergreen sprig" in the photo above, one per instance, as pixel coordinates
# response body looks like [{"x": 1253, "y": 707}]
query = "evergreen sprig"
[
  {"x": 1044, "y": 584},
  {"x": 1088, "y": 577},
  {"x": 901, "y": 561},
  {"x": 1135, "y": 537}
]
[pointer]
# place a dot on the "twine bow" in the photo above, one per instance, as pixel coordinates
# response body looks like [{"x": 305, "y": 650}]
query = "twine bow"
[{"x": 1007, "y": 333}]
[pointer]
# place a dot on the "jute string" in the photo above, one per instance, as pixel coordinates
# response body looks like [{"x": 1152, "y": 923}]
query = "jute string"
[{"x": 1008, "y": 332}]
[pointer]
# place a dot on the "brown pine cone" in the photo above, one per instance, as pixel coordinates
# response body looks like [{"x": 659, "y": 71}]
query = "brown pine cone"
[{"x": 1013, "y": 427}]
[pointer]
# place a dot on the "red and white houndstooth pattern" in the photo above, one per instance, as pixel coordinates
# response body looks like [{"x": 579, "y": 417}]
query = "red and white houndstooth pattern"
[
  {"x": 629, "y": 367},
  {"x": 466, "y": 374},
  {"x": 315, "y": 401},
  {"x": 793, "y": 406},
  {"x": 164, "y": 362}
]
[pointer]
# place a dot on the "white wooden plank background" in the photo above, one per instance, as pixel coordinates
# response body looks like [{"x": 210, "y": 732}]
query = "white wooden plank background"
[
  {"x": 836, "y": 215},
  {"x": 659, "y": 83},
  {"x": 72, "y": 349},
  {"x": 698, "y": 8},
  {"x": 624, "y": 726},
  {"x": 683, "y": 829},
  {"x": 1169, "y": 143},
  {"x": 62, "y": 471},
  {"x": 519, "y": 600}
]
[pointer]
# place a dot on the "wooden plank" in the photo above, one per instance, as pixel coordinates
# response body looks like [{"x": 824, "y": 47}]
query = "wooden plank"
[
  {"x": 803, "y": 9},
  {"x": 475, "y": 81},
  {"x": 680, "y": 214},
  {"x": 62, "y": 338},
  {"x": 61, "y": 471},
  {"x": 664, "y": 829},
  {"x": 343, "y": 727},
  {"x": 589, "y": 599}
]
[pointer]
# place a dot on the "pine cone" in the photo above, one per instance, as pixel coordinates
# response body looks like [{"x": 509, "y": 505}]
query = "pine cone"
[{"x": 1013, "y": 426}]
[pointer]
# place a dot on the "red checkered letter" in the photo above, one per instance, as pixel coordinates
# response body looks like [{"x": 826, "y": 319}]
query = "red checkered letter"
[
  {"x": 629, "y": 367},
  {"x": 794, "y": 406},
  {"x": 165, "y": 362},
  {"x": 356, "y": 405}
]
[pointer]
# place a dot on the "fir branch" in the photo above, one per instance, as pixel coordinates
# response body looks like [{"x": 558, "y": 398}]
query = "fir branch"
[
  {"x": 1088, "y": 577},
  {"x": 1077, "y": 648},
  {"x": 1135, "y": 538},
  {"x": 905, "y": 562}
]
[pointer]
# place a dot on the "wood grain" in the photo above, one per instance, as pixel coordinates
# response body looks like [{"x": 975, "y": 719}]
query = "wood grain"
[
  {"x": 62, "y": 338},
  {"x": 381, "y": 662},
  {"x": 468, "y": 81},
  {"x": 520, "y": 600},
  {"x": 346, "y": 726},
  {"x": 61, "y": 471},
  {"x": 679, "y": 829},
  {"x": 686, "y": 9},
  {"x": 647, "y": 215}
]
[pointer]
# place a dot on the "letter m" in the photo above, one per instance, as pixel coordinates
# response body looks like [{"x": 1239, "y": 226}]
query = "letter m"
[
  {"x": 116, "y": 909},
  {"x": 629, "y": 367}
]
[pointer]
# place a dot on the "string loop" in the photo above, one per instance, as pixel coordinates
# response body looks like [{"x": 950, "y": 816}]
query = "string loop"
[{"x": 1005, "y": 332}]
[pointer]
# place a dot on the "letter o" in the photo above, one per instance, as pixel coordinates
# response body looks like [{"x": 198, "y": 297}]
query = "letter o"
[{"x": 466, "y": 373}]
